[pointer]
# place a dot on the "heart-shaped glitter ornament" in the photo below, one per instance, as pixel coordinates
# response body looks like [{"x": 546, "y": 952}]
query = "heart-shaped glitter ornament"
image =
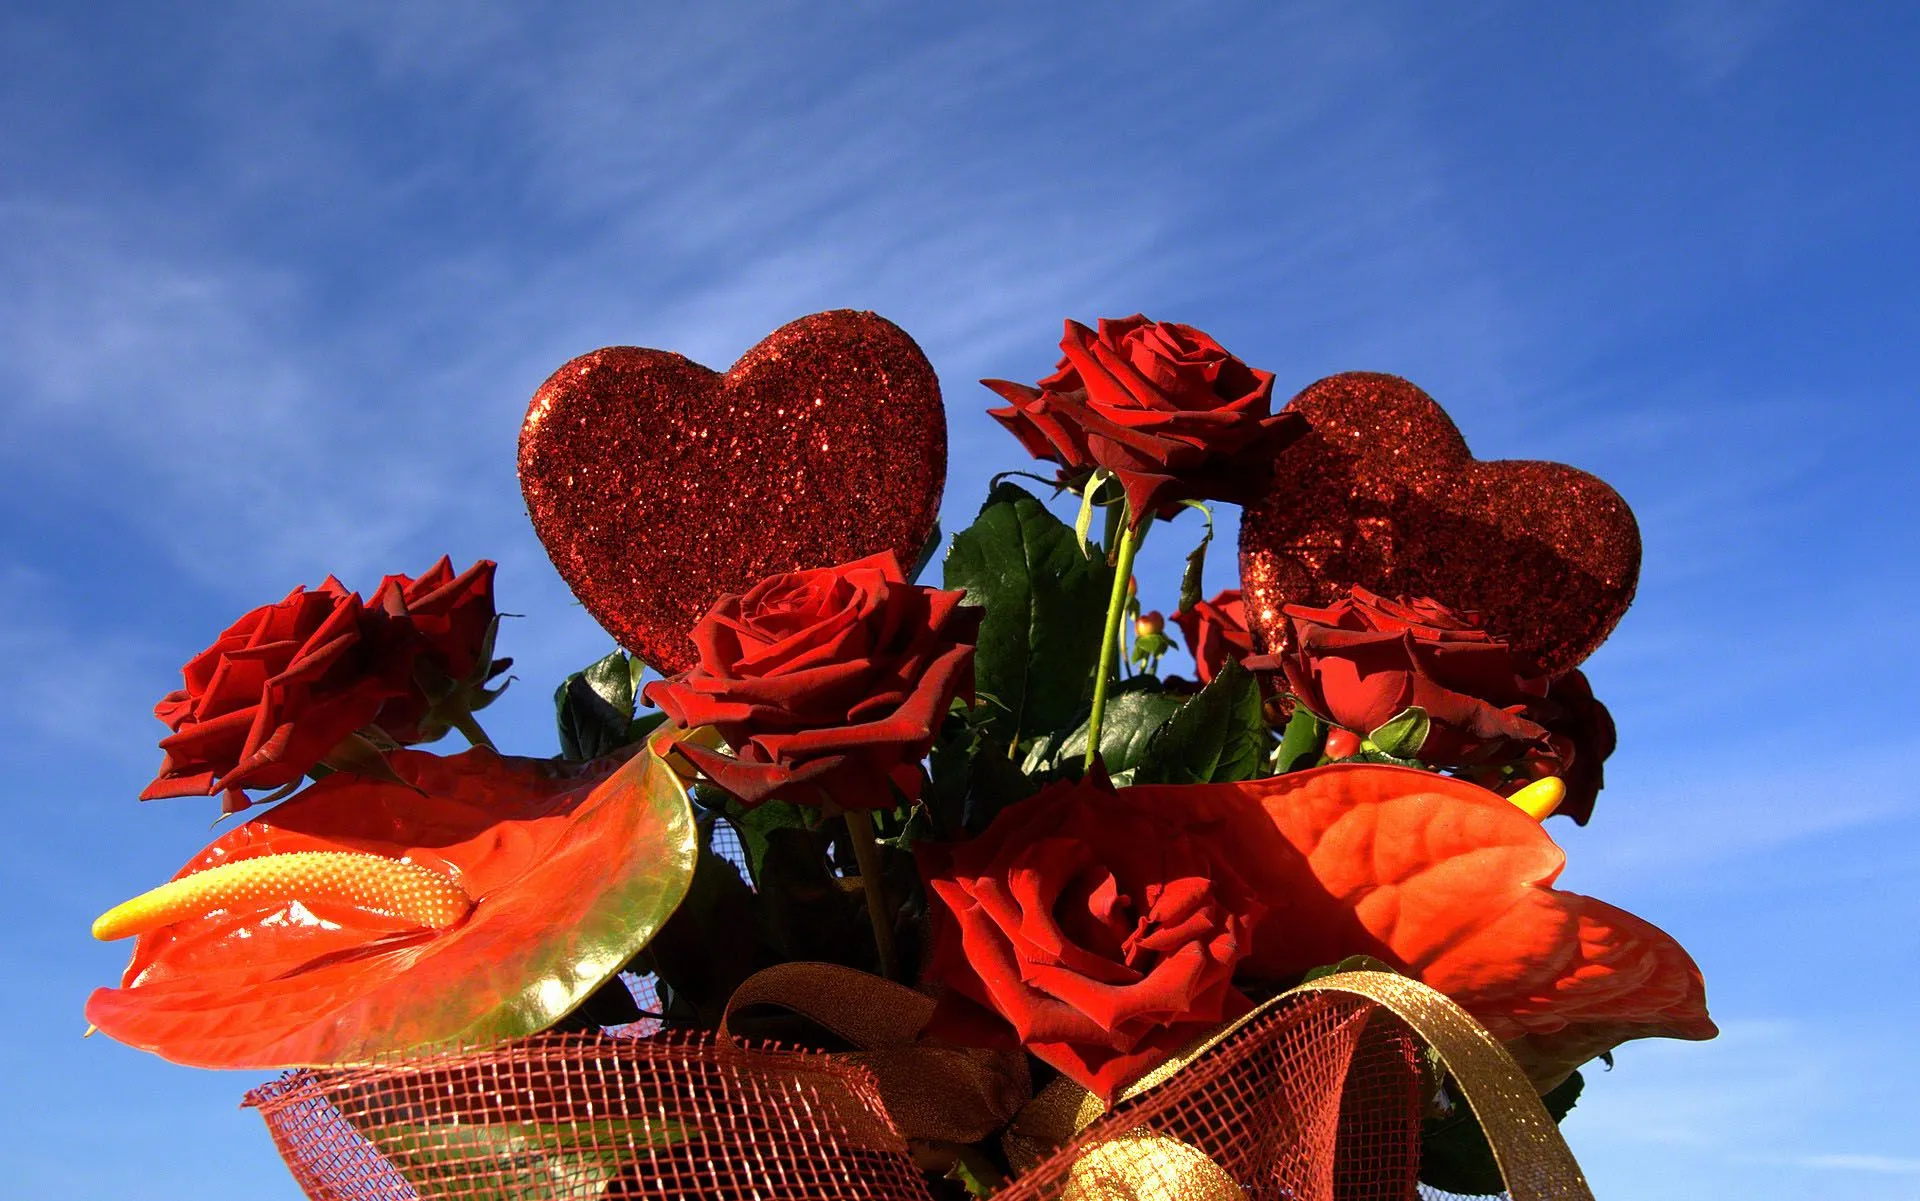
[
  {"x": 1384, "y": 494},
  {"x": 658, "y": 485}
]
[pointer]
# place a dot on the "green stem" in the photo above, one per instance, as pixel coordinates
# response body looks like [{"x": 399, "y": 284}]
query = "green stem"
[
  {"x": 470, "y": 730},
  {"x": 866, "y": 853},
  {"x": 1130, "y": 538}
]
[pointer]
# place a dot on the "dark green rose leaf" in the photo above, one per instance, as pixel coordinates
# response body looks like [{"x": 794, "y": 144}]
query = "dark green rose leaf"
[
  {"x": 709, "y": 946},
  {"x": 928, "y": 549},
  {"x": 1046, "y": 603},
  {"x": 1300, "y": 746},
  {"x": 1218, "y": 736},
  {"x": 1403, "y": 734},
  {"x": 595, "y": 708},
  {"x": 1131, "y": 720},
  {"x": 1192, "y": 578},
  {"x": 802, "y": 911},
  {"x": 1383, "y": 757},
  {"x": 1352, "y": 963},
  {"x": 754, "y": 824},
  {"x": 1455, "y": 1156}
]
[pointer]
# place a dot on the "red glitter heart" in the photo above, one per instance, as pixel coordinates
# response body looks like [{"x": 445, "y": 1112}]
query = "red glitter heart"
[
  {"x": 659, "y": 486},
  {"x": 1383, "y": 493}
]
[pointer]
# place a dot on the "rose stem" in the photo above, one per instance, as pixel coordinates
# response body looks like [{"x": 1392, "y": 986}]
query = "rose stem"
[
  {"x": 866, "y": 853},
  {"x": 1131, "y": 535}
]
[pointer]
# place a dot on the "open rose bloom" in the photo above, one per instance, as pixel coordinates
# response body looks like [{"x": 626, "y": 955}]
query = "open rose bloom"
[{"x": 1021, "y": 915}]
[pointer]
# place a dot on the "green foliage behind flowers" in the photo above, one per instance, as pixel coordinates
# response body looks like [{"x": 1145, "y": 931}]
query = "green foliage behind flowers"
[{"x": 1045, "y": 598}]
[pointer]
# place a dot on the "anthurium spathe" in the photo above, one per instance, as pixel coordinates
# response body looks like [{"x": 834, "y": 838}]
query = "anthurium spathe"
[
  {"x": 1097, "y": 928},
  {"x": 1452, "y": 884},
  {"x": 569, "y": 869}
]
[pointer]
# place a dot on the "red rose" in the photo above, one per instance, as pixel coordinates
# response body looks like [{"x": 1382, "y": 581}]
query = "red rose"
[
  {"x": 828, "y": 685},
  {"x": 1162, "y": 406},
  {"x": 1580, "y": 737},
  {"x": 1098, "y": 930},
  {"x": 1216, "y": 631},
  {"x": 1364, "y": 659},
  {"x": 1583, "y": 738},
  {"x": 279, "y": 690},
  {"x": 451, "y": 620}
]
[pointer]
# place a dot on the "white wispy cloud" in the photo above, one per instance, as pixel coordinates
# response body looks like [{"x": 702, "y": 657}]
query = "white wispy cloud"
[
  {"x": 264, "y": 430},
  {"x": 1727, "y": 1118},
  {"x": 1712, "y": 38},
  {"x": 1897, "y": 1165}
]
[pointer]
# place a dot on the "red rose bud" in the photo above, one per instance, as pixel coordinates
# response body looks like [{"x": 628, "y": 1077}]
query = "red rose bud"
[
  {"x": 1364, "y": 660},
  {"x": 827, "y": 685},
  {"x": 1583, "y": 738},
  {"x": 1098, "y": 929},
  {"x": 452, "y": 623},
  {"x": 1149, "y": 624},
  {"x": 1216, "y": 631},
  {"x": 1580, "y": 738},
  {"x": 1342, "y": 744},
  {"x": 277, "y": 692},
  {"x": 1163, "y": 407}
]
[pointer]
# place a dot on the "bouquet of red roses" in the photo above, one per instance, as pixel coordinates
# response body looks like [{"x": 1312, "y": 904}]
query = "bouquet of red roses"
[{"x": 846, "y": 885}]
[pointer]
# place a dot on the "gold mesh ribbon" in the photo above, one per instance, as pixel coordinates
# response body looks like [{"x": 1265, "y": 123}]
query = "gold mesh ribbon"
[
  {"x": 936, "y": 1094},
  {"x": 1140, "y": 1166},
  {"x": 1527, "y": 1144}
]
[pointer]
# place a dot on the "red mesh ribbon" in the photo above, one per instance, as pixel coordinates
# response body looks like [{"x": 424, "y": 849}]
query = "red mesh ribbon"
[{"x": 1316, "y": 1100}]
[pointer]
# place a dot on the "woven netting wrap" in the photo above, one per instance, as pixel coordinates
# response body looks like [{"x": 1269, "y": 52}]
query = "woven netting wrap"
[{"x": 1317, "y": 1100}]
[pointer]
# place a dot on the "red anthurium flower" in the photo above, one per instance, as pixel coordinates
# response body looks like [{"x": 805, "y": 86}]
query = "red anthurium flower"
[
  {"x": 1443, "y": 880},
  {"x": 336, "y": 940},
  {"x": 1453, "y": 885}
]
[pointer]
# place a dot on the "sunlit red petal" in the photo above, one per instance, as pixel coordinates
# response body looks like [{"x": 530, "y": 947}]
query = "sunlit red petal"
[{"x": 1452, "y": 884}]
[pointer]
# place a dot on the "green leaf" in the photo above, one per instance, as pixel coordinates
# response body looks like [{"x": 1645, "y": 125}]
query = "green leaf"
[
  {"x": 1403, "y": 734},
  {"x": 707, "y": 948},
  {"x": 756, "y": 824},
  {"x": 1191, "y": 585},
  {"x": 1084, "y": 522},
  {"x": 1046, "y": 604},
  {"x": 1149, "y": 647},
  {"x": 1455, "y": 1156},
  {"x": 925, "y": 556},
  {"x": 519, "y": 1161},
  {"x": 594, "y": 708},
  {"x": 1300, "y": 746},
  {"x": 1131, "y": 720},
  {"x": 1219, "y": 735},
  {"x": 994, "y": 782},
  {"x": 803, "y": 913},
  {"x": 1370, "y": 756},
  {"x": 972, "y": 778},
  {"x": 1352, "y": 963},
  {"x": 973, "y": 1172}
]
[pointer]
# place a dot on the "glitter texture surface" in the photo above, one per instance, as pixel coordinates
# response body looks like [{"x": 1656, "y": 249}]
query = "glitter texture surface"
[
  {"x": 658, "y": 485},
  {"x": 1383, "y": 493}
]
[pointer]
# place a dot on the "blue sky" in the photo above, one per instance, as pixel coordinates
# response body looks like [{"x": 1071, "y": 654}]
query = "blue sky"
[{"x": 274, "y": 291}]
